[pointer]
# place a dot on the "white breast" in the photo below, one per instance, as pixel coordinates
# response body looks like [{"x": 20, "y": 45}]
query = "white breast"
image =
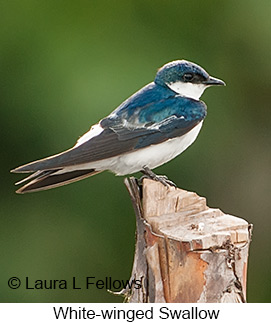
[{"x": 154, "y": 155}]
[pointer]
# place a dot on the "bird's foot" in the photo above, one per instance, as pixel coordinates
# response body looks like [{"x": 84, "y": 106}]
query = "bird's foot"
[{"x": 148, "y": 173}]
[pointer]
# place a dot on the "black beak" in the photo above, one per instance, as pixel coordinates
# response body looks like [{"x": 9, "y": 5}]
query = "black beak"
[{"x": 214, "y": 81}]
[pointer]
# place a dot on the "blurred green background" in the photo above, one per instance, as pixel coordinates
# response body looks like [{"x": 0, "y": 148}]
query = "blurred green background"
[{"x": 65, "y": 65}]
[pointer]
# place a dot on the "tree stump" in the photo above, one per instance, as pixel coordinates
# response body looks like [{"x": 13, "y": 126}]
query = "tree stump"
[{"x": 185, "y": 251}]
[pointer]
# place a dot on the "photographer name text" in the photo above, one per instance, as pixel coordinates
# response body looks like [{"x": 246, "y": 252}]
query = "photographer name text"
[{"x": 88, "y": 282}]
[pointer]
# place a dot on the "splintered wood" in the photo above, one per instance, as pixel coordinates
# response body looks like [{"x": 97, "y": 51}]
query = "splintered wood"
[{"x": 185, "y": 251}]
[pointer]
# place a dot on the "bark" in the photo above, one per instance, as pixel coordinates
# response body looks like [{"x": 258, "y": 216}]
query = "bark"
[{"x": 185, "y": 251}]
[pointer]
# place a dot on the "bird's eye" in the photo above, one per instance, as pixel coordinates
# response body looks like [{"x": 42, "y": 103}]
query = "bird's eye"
[{"x": 188, "y": 77}]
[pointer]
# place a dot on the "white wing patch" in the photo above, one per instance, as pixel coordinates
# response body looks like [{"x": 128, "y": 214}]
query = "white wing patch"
[
  {"x": 166, "y": 121},
  {"x": 93, "y": 132}
]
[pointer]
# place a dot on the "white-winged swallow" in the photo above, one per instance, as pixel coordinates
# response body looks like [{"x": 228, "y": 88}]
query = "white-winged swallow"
[{"x": 150, "y": 128}]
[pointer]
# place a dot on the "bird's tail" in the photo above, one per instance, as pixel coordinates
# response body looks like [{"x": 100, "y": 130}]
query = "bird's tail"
[{"x": 44, "y": 180}]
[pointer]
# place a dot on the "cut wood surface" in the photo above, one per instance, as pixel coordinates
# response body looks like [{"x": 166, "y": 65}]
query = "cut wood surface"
[{"x": 186, "y": 251}]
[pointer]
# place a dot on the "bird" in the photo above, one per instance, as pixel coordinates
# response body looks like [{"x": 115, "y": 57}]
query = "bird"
[{"x": 151, "y": 127}]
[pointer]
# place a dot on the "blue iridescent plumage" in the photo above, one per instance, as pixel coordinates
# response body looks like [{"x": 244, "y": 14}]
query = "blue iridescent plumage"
[
  {"x": 155, "y": 113},
  {"x": 151, "y": 127}
]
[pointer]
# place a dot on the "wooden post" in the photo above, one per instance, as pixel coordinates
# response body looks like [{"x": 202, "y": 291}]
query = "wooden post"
[{"x": 185, "y": 251}]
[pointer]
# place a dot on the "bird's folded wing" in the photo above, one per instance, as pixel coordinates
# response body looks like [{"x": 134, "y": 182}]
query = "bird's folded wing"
[{"x": 117, "y": 138}]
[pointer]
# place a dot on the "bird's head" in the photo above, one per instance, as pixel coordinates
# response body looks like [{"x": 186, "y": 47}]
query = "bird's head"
[{"x": 185, "y": 78}]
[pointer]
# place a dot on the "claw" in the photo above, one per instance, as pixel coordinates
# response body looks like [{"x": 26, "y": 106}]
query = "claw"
[
  {"x": 148, "y": 173},
  {"x": 140, "y": 180}
]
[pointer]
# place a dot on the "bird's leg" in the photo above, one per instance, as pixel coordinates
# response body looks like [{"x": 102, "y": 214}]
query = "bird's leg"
[{"x": 148, "y": 173}]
